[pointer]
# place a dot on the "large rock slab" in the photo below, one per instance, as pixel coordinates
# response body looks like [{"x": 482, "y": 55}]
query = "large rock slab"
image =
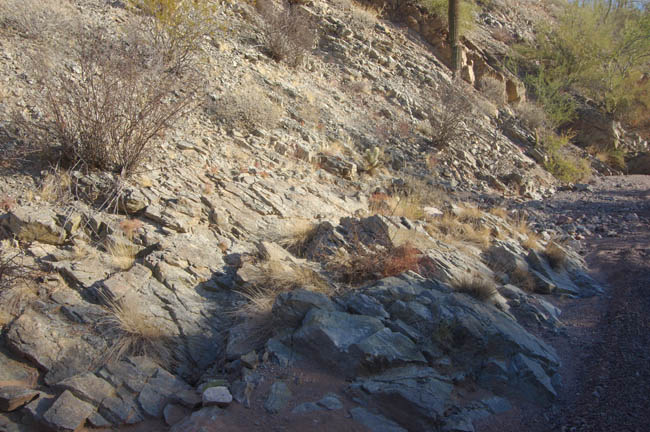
[
  {"x": 199, "y": 420},
  {"x": 34, "y": 224},
  {"x": 67, "y": 413},
  {"x": 61, "y": 348},
  {"x": 353, "y": 343},
  {"x": 12, "y": 398},
  {"x": 291, "y": 307},
  {"x": 88, "y": 387},
  {"x": 416, "y": 397}
]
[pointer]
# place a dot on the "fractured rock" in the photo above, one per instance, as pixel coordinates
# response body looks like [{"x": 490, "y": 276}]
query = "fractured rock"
[
  {"x": 219, "y": 396},
  {"x": 67, "y": 413},
  {"x": 278, "y": 397},
  {"x": 12, "y": 398}
]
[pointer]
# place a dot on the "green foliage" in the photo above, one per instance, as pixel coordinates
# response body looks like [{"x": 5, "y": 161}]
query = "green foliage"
[
  {"x": 179, "y": 26},
  {"x": 566, "y": 168},
  {"x": 467, "y": 11},
  {"x": 595, "y": 50}
]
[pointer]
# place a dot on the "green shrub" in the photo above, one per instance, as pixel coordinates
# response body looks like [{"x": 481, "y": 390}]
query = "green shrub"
[
  {"x": 467, "y": 11},
  {"x": 564, "y": 167},
  {"x": 595, "y": 50}
]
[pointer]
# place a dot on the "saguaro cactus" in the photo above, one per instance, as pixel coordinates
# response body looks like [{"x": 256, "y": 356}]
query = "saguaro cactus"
[{"x": 453, "y": 13}]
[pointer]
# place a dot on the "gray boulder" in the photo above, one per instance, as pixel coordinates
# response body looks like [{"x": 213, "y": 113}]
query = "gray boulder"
[
  {"x": 291, "y": 307},
  {"x": 67, "y": 413},
  {"x": 416, "y": 397},
  {"x": 353, "y": 343}
]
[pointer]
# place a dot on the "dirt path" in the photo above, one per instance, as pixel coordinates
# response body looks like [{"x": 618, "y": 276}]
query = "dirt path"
[{"x": 606, "y": 347}]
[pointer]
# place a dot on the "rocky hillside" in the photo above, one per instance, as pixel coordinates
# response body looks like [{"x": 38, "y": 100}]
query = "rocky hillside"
[{"x": 325, "y": 245}]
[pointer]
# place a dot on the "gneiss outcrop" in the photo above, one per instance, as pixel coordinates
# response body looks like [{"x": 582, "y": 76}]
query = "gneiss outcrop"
[{"x": 294, "y": 254}]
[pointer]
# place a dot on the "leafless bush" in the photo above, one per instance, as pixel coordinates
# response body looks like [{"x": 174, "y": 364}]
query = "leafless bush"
[
  {"x": 247, "y": 106},
  {"x": 33, "y": 19},
  {"x": 287, "y": 32},
  {"x": 494, "y": 90},
  {"x": 448, "y": 120},
  {"x": 108, "y": 113},
  {"x": 532, "y": 115},
  {"x": 178, "y": 28}
]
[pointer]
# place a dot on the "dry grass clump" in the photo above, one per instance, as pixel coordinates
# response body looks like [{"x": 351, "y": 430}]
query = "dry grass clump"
[
  {"x": 131, "y": 331},
  {"x": 287, "y": 32},
  {"x": 522, "y": 278},
  {"x": 375, "y": 263},
  {"x": 246, "y": 107},
  {"x": 451, "y": 229},
  {"x": 470, "y": 214},
  {"x": 110, "y": 112},
  {"x": 532, "y": 241},
  {"x": 531, "y": 238},
  {"x": 493, "y": 89},
  {"x": 279, "y": 277},
  {"x": 56, "y": 186},
  {"x": 408, "y": 206},
  {"x": 555, "y": 255},
  {"x": 301, "y": 234},
  {"x": 361, "y": 86},
  {"x": 365, "y": 15},
  {"x": 122, "y": 254},
  {"x": 499, "y": 212},
  {"x": 260, "y": 294},
  {"x": 477, "y": 286}
]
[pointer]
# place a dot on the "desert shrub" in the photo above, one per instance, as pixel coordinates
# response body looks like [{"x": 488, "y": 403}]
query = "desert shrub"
[
  {"x": 551, "y": 93},
  {"x": 564, "y": 167},
  {"x": 33, "y": 19},
  {"x": 288, "y": 35},
  {"x": 109, "y": 114},
  {"x": 369, "y": 264},
  {"x": 493, "y": 89},
  {"x": 612, "y": 156},
  {"x": 532, "y": 115},
  {"x": 568, "y": 169},
  {"x": 178, "y": 27},
  {"x": 593, "y": 49},
  {"x": 247, "y": 106},
  {"x": 448, "y": 120},
  {"x": 477, "y": 286},
  {"x": 467, "y": 11}
]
